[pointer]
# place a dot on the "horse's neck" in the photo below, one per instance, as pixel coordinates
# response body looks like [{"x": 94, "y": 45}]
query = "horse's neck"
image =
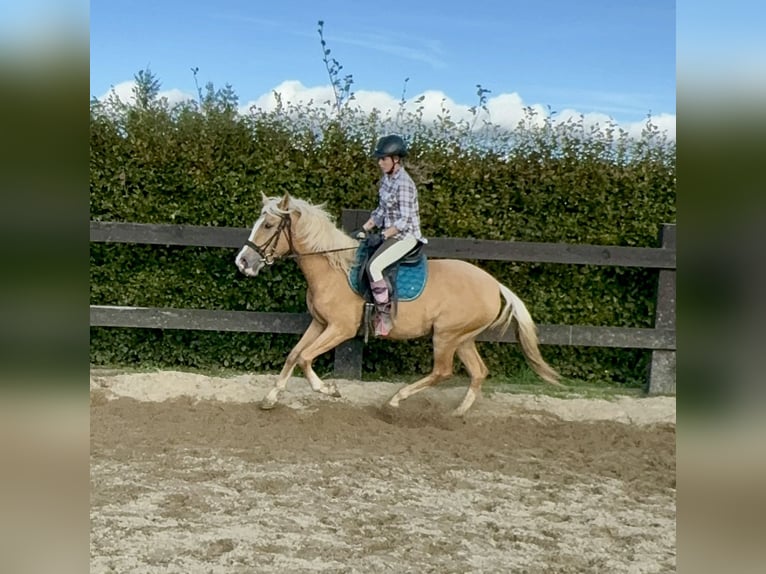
[{"x": 317, "y": 269}]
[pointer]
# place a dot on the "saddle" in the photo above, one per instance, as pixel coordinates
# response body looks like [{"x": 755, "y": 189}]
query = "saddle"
[{"x": 405, "y": 279}]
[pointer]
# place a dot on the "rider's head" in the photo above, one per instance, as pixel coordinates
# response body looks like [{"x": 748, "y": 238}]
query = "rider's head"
[{"x": 389, "y": 152}]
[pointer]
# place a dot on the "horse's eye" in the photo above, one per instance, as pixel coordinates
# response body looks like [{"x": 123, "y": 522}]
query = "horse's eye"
[{"x": 268, "y": 225}]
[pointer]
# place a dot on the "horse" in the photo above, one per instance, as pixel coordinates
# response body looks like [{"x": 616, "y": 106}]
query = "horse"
[{"x": 459, "y": 301}]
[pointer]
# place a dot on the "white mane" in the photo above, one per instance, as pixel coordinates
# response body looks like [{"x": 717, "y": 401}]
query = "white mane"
[{"x": 315, "y": 229}]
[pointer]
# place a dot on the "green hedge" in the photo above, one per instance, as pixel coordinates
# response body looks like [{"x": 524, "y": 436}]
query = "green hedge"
[{"x": 205, "y": 164}]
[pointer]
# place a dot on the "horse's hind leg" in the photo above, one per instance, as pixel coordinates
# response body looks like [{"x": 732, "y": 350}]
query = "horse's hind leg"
[
  {"x": 313, "y": 331},
  {"x": 444, "y": 353},
  {"x": 469, "y": 355}
]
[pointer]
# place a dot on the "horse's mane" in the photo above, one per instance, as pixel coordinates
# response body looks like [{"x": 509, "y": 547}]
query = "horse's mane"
[{"x": 316, "y": 230}]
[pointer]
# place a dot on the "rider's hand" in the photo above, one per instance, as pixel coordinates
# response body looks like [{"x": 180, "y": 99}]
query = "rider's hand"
[{"x": 374, "y": 239}]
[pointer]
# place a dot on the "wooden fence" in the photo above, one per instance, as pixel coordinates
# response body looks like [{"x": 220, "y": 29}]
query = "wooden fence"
[{"x": 661, "y": 339}]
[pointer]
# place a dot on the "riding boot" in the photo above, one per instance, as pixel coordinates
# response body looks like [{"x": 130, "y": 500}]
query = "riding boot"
[{"x": 383, "y": 323}]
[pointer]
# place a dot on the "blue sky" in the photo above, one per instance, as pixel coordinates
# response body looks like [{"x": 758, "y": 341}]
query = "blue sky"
[{"x": 601, "y": 58}]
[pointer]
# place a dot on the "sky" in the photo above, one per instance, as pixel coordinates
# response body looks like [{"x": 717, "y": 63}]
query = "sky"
[{"x": 607, "y": 60}]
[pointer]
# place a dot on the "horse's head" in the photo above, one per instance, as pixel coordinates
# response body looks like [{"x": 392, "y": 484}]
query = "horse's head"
[{"x": 270, "y": 238}]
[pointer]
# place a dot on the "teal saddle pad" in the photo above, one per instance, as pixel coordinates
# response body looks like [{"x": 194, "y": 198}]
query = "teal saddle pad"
[{"x": 410, "y": 280}]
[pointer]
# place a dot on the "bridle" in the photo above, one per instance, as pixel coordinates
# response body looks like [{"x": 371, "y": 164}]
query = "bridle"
[{"x": 267, "y": 249}]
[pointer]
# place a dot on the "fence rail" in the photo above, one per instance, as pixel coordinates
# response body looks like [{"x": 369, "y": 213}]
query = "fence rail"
[
  {"x": 487, "y": 250},
  {"x": 348, "y": 357}
]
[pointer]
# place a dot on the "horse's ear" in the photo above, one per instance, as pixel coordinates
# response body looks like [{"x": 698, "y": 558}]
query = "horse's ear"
[
  {"x": 285, "y": 202},
  {"x": 264, "y": 199}
]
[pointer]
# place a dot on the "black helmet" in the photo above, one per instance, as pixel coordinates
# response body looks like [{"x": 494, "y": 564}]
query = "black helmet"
[{"x": 390, "y": 145}]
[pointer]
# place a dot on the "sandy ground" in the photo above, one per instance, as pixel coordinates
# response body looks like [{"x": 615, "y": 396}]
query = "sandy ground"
[{"x": 189, "y": 475}]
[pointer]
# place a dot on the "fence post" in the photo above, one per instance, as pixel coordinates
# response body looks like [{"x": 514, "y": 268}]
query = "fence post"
[
  {"x": 348, "y": 355},
  {"x": 662, "y": 369}
]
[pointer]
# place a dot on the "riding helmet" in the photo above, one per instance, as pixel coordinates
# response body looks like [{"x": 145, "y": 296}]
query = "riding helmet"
[{"x": 390, "y": 145}]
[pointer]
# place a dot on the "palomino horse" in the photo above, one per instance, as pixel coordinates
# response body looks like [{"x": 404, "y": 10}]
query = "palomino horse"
[{"x": 458, "y": 302}]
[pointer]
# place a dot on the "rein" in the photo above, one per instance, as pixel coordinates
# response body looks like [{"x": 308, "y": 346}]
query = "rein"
[{"x": 286, "y": 223}]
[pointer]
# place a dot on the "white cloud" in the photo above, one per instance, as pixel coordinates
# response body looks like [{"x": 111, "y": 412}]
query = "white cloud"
[
  {"x": 382, "y": 101},
  {"x": 124, "y": 91},
  {"x": 293, "y": 92},
  {"x": 665, "y": 122},
  {"x": 505, "y": 110}
]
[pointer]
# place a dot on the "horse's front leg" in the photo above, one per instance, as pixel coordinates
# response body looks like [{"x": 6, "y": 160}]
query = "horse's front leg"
[
  {"x": 313, "y": 331},
  {"x": 331, "y": 337}
]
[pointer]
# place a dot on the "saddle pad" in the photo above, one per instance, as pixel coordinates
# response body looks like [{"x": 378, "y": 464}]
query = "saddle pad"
[{"x": 410, "y": 280}]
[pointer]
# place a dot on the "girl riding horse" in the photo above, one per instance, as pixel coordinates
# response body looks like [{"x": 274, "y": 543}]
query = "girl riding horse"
[{"x": 398, "y": 215}]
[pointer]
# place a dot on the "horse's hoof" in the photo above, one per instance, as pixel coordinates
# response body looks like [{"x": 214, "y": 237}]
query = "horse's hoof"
[
  {"x": 330, "y": 391},
  {"x": 267, "y": 405}
]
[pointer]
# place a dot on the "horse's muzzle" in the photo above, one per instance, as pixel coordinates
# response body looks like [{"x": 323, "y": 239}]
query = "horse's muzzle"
[{"x": 248, "y": 262}]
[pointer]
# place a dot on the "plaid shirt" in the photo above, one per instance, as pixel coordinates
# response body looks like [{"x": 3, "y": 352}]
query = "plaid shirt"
[{"x": 398, "y": 205}]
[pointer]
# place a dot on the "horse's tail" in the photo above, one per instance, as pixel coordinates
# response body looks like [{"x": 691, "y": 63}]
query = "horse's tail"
[{"x": 526, "y": 333}]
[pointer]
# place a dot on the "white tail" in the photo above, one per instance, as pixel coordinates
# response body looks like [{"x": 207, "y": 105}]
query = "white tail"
[{"x": 526, "y": 333}]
